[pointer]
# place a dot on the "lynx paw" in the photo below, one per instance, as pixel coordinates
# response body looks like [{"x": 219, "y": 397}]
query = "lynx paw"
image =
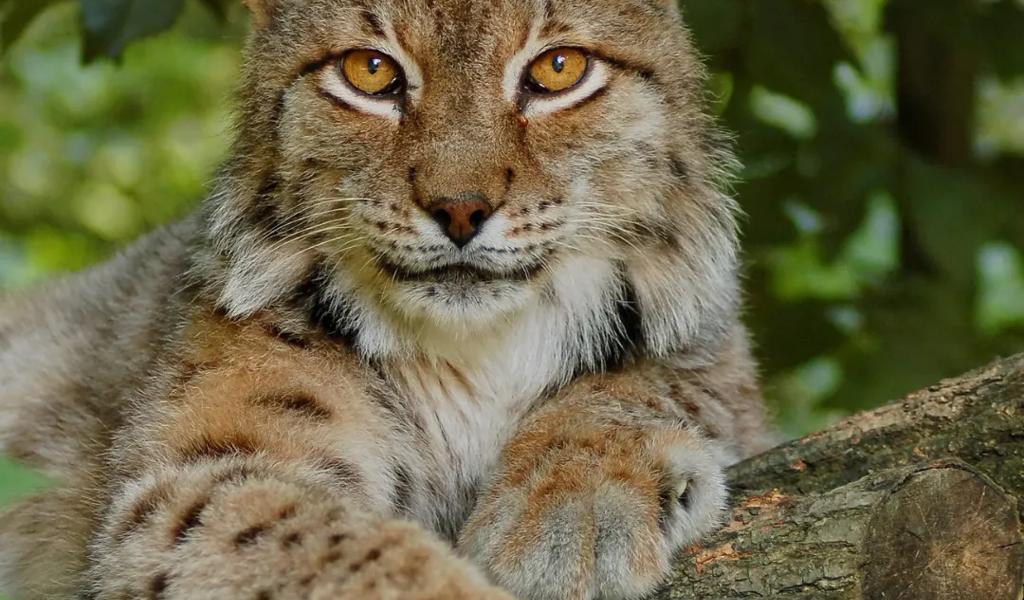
[
  {"x": 265, "y": 539},
  {"x": 597, "y": 514}
]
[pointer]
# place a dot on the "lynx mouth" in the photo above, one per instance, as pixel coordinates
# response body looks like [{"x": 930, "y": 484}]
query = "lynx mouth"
[{"x": 460, "y": 273}]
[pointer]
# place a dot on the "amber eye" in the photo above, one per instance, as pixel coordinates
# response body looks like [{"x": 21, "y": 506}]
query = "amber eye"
[
  {"x": 372, "y": 72},
  {"x": 558, "y": 70}
]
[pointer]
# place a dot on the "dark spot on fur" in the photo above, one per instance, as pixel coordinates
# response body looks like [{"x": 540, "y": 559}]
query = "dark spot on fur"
[
  {"x": 144, "y": 508},
  {"x": 292, "y": 539},
  {"x": 187, "y": 371},
  {"x": 305, "y": 581},
  {"x": 332, "y": 557},
  {"x": 189, "y": 520},
  {"x": 666, "y": 500},
  {"x": 371, "y": 556},
  {"x": 555, "y": 28},
  {"x": 692, "y": 408},
  {"x": 299, "y": 403},
  {"x": 399, "y": 410},
  {"x": 235, "y": 474},
  {"x": 330, "y": 315},
  {"x": 251, "y": 535},
  {"x": 158, "y": 587},
  {"x": 548, "y": 10},
  {"x": 263, "y": 595},
  {"x": 654, "y": 231},
  {"x": 680, "y": 170},
  {"x": 208, "y": 447},
  {"x": 292, "y": 339},
  {"x": 282, "y": 96},
  {"x": 373, "y": 22},
  {"x": 628, "y": 340},
  {"x": 404, "y": 488},
  {"x": 344, "y": 472},
  {"x": 713, "y": 394},
  {"x": 263, "y": 213},
  {"x": 336, "y": 539}
]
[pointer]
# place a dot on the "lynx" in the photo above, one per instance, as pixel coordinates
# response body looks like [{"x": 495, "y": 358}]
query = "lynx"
[{"x": 458, "y": 319}]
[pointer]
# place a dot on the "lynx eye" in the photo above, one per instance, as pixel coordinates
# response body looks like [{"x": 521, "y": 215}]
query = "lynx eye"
[
  {"x": 372, "y": 72},
  {"x": 558, "y": 70}
]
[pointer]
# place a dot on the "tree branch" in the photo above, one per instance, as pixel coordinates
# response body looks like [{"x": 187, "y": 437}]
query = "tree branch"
[{"x": 917, "y": 500}]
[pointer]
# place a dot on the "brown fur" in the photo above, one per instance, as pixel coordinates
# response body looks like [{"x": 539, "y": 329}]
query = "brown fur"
[{"x": 305, "y": 391}]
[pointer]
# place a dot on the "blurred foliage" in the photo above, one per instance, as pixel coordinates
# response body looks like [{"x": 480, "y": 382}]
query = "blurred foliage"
[
  {"x": 93, "y": 155},
  {"x": 883, "y": 147},
  {"x": 883, "y": 142},
  {"x": 18, "y": 482}
]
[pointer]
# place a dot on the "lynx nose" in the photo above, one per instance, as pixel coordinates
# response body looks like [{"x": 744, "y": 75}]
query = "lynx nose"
[{"x": 461, "y": 218}]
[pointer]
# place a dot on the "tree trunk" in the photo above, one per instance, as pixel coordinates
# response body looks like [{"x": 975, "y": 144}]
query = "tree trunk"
[{"x": 918, "y": 500}]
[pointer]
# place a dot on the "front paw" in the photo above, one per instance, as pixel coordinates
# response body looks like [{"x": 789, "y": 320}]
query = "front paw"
[{"x": 596, "y": 513}]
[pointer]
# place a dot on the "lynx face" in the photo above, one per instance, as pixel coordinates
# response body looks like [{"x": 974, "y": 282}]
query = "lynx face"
[{"x": 454, "y": 162}]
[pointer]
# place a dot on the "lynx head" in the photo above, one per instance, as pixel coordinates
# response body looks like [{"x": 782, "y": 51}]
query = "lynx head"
[{"x": 440, "y": 168}]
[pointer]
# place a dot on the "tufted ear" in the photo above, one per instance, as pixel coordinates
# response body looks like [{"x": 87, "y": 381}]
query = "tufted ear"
[{"x": 261, "y": 11}]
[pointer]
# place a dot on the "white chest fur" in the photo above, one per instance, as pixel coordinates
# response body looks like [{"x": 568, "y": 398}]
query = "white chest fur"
[
  {"x": 471, "y": 390},
  {"x": 466, "y": 418}
]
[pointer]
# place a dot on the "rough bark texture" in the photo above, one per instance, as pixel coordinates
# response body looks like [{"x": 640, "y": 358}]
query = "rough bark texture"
[{"x": 917, "y": 500}]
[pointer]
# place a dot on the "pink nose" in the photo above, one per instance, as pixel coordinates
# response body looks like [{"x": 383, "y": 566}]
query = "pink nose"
[{"x": 461, "y": 218}]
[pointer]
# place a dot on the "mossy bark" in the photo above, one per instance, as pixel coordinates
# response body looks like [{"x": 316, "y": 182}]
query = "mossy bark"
[{"x": 918, "y": 500}]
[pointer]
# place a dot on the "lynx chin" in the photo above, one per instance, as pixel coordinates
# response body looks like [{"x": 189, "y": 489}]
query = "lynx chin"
[{"x": 458, "y": 319}]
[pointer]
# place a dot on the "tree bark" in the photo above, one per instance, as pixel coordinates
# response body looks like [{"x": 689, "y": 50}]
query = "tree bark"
[{"x": 917, "y": 500}]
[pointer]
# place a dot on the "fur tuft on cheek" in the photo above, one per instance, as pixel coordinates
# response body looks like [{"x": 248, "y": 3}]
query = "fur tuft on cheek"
[
  {"x": 689, "y": 292},
  {"x": 262, "y": 276}
]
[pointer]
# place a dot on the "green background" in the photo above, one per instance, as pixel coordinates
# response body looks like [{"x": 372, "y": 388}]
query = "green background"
[{"x": 883, "y": 143}]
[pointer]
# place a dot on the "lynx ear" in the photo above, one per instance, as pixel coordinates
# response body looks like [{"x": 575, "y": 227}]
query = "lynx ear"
[{"x": 261, "y": 11}]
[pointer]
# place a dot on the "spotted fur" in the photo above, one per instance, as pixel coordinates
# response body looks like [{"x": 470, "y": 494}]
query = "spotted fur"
[{"x": 305, "y": 390}]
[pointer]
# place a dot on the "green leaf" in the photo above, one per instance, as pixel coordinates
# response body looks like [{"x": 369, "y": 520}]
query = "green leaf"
[
  {"x": 1000, "y": 288},
  {"x": 218, "y": 7},
  {"x": 792, "y": 49},
  {"x": 1001, "y": 29},
  {"x": 952, "y": 213},
  {"x": 716, "y": 26},
  {"x": 917, "y": 331},
  {"x": 15, "y": 16},
  {"x": 110, "y": 25}
]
